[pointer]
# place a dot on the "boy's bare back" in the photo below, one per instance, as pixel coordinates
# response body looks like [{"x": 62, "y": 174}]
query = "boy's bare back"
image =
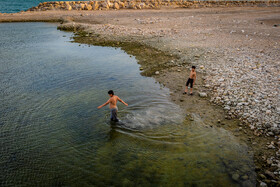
[{"x": 113, "y": 101}]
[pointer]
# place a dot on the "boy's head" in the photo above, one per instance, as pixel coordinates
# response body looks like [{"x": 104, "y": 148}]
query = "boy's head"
[
  {"x": 111, "y": 93},
  {"x": 193, "y": 68}
]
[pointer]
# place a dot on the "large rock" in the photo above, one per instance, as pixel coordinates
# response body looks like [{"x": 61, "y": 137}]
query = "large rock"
[
  {"x": 116, "y": 6},
  {"x": 111, "y": 5},
  {"x": 121, "y": 4},
  {"x": 68, "y": 7},
  {"x": 131, "y": 5},
  {"x": 88, "y": 7},
  {"x": 82, "y": 6},
  {"x": 105, "y": 5},
  {"x": 95, "y": 5}
]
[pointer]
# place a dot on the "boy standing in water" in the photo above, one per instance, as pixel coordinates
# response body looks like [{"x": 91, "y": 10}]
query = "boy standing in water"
[
  {"x": 191, "y": 80},
  {"x": 113, "y": 105}
]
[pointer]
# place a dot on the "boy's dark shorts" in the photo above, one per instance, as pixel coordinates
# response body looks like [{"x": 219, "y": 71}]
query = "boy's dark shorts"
[
  {"x": 190, "y": 81},
  {"x": 113, "y": 116}
]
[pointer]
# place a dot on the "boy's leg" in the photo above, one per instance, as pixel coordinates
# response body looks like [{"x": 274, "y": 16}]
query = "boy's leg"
[
  {"x": 114, "y": 115},
  {"x": 186, "y": 89},
  {"x": 191, "y": 86},
  {"x": 111, "y": 114}
]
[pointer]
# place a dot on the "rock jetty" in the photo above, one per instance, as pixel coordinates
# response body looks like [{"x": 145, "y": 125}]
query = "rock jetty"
[{"x": 144, "y": 4}]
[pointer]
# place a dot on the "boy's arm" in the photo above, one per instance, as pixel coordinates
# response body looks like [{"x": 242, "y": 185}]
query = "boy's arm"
[
  {"x": 122, "y": 101},
  {"x": 194, "y": 78},
  {"x": 104, "y": 104}
]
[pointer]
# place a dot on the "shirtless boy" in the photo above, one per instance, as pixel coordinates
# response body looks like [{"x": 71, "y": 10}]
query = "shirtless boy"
[
  {"x": 113, "y": 105},
  {"x": 191, "y": 81}
]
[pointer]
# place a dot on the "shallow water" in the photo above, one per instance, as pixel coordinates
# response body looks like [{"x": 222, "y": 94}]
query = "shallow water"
[{"x": 52, "y": 134}]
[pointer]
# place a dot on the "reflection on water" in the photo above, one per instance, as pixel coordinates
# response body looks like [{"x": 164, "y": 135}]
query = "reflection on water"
[{"x": 52, "y": 134}]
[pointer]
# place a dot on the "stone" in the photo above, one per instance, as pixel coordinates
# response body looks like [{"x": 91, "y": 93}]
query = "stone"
[
  {"x": 157, "y": 72},
  {"x": 270, "y": 174},
  {"x": 88, "y": 7},
  {"x": 262, "y": 176},
  {"x": 95, "y": 5},
  {"x": 227, "y": 108},
  {"x": 270, "y": 133},
  {"x": 235, "y": 176},
  {"x": 271, "y": 146},
  {"x": 247, "y": 183},
  {"x": 131, "y": 5},
  {"x": 121, "y": 4},
  {"x": 82, "y": 6},
  {"x": 202, "y": 94},
  {"x": 244, "y": 177},
  {"x": 142, "y": 5},
  {"x": 262, "y": 184},
  {"x": 109, "y": 4},
  {"x": 105, "y": 5},
  {"x": 116, "y": 6},
  {"x": 268, "y": 112},
  {"x": 201, "y": 67}
]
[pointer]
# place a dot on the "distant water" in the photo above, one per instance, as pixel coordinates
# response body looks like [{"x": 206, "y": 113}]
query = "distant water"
[{"x": 12, "y": 6}]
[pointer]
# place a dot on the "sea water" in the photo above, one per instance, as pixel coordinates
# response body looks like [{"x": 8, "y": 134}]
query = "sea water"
[
  {"x": 13, "y": 6},
  {"x": 52, "y": 134}
]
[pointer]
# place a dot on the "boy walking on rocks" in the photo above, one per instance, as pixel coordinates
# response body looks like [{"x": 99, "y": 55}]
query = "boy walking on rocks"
[
  {"x": 113, "y": 105},
  {"x": 191, "y": 81}
]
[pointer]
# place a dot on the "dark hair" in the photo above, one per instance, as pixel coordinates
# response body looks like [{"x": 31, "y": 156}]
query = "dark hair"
[
  {"x": 193, "y": 67},
  {"x": 111, "y": 92}
]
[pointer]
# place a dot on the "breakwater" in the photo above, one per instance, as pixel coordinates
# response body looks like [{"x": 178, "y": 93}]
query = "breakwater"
[{"x": 145, "y": 4}]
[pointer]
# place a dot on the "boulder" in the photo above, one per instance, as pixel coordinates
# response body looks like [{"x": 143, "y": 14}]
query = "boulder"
[
  {"x": 131, "y": 5},
  {"x": 121, "y": 5},
  {"x": 142, "y": 5},
  {"x": 95, "y": 5},
  {"x": 82, "y": 6},
  {"x": 88, "y": 7},
  {"x": 110, "y": 4},
  {"x": 105, "y": 5},
  {"x": 116, "y": 6},
  {"x": 68, "y": 7}
]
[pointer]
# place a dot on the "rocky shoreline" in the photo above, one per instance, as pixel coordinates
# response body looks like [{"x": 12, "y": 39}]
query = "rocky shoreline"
[
  {"x": 236, "y": 51},
  {"x": 145, "y": 4}
]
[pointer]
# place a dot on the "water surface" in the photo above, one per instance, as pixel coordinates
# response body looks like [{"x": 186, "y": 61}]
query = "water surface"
[
  {"x": 52, "y": 134},
  {"x": 13, "y": 6}
]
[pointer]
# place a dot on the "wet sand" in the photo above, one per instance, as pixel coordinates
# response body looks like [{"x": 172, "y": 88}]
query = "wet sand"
[{"x": 171, "y": 40}]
